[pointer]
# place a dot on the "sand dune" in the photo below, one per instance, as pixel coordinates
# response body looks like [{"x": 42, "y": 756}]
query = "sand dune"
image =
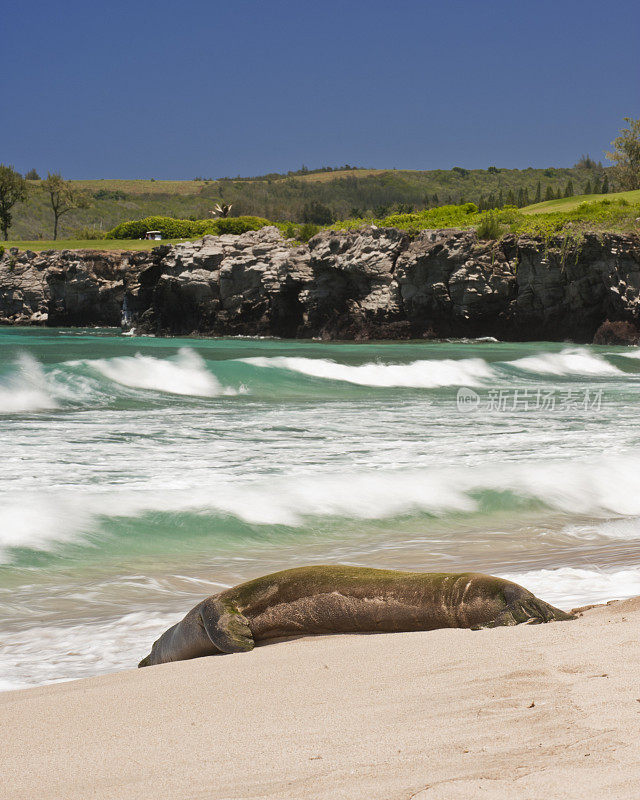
[{"x": 548, "y": 711}]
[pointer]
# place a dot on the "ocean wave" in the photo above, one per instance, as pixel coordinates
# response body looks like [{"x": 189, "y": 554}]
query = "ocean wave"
[
  {"x": 573, "y": 361},
  {"x": 26, "y": 389},
  {"x": 186, "y": 374},
  {"x": 32, "y": 387},
  {"x": 604, "y": 490},
  {"x": 631, "y": 354},
  {"x": 424, "y": 374},
  {"x": 570, "y": 587}
]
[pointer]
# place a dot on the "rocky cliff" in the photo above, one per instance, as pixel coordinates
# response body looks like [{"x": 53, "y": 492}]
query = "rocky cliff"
[{"x": 376, "y": 283}]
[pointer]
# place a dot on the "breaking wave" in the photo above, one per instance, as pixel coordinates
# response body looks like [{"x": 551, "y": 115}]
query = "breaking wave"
[
  {"x": 574, "y": 361},
  {"x": 31, "y": 387},
  {"x": 631, "y": 354},
  {"x": 425, "y": 374},
  {"x": 186, "y": 374},
  {"x": 26, "y": 389}
]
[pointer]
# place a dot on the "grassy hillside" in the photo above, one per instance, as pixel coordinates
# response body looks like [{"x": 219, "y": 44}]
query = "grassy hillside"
[
  {"x": 616, "y": 213},
  {"x": 343, "y": 193},
  {"x": 570, "y": 203}
]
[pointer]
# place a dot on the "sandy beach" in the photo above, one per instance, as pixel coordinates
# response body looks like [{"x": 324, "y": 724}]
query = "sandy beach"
[{"x": 528, "y": 712}]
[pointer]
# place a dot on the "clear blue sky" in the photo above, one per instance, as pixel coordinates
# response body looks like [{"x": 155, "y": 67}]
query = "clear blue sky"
[{"x": 202, "y": 87}]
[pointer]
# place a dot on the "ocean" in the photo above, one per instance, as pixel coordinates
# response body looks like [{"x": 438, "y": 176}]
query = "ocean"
[{"x": 138, "y": 475}]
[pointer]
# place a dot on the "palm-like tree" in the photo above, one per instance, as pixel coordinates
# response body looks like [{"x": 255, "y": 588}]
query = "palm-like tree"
[{"x": 221, "y": 209}]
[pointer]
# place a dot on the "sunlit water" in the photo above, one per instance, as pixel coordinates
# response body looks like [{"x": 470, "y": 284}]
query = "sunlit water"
[{"x": 138, "y": 475}]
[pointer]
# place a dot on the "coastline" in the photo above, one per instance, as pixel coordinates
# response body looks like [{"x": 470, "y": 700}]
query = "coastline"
[
  {"x": 342, "y": 285},
  {"x": 531, "y": 711}
]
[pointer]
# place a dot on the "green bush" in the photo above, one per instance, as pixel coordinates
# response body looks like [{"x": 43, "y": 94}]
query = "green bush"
[
  {"x": 1, "y": 250},
  {"x": 490, "y": 227},
  {"x": 86, "y": 234},
  {"x": 307, "y": 230},
  {"x": 109, "y": 194},
  {"x": 238, "y": 224},
  {"x": 171, "y": 228},
  {"x": 289, "y": 230}
]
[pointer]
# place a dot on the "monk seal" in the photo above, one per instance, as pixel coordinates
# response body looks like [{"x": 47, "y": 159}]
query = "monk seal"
[{"x": 342, "y": 599}]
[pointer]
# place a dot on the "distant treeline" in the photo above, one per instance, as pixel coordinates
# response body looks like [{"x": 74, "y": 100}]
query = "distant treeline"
[{"x": 309, "y": 196}]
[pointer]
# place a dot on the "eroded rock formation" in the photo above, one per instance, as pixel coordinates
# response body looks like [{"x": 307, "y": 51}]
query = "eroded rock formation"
[{"x": 374, "y": 283}]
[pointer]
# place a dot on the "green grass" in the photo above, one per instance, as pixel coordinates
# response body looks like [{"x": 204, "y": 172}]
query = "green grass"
[
  {"x": 88, "y": 244},
  {"x": 570, "y": 203}
]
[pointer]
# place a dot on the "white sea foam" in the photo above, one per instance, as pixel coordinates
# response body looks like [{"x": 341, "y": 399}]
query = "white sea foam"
[
  {"x": 569, "y": 587},
  {"x": 26, "y": 388},
  {"x": 65, "y": 652},
  {"x": 424, "y": 374},
  {"x": 573, "y": 361},
  {"x": 629, "y": 354},
  {"x": 186, "y": 374}
]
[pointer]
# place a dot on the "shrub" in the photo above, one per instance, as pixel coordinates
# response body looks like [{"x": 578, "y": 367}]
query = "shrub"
[
  {"x": 490, "y": 227},
  {"x": 1, "y": 250},
  {"x": 85, "y": 234},
  {"x": 238, "y": 225},
  {"x": 171, "y": 228},
  {"x": 289, "y": 230},
  {"x": 307, "y": 231},
  {"x": 109, "y": 194}
]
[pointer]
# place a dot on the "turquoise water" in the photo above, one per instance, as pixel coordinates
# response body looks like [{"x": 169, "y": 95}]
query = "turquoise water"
[{"x": 139, "y": 474}]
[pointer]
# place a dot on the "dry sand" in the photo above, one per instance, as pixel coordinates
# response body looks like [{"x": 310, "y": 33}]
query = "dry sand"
[{"x": 547, "y": 711}]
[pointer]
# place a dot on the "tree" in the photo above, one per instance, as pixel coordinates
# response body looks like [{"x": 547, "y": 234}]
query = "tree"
[
  {"x": 587, "y": 188},
  {"x": 63, "y": 197},
  {"x": 585, "y": 162},
  {"x": 605, "y": 184},
  {"x": 626, "y": 155},
  {"x": 317, "y": 213},
  {"x": 568, "y": 192},
  {"x": 13, "y": 189},
  {"x": 538, "y": 198},
  {"x": 549, "y": 195},
  {"x": 221, "y": 209},
  {"x": 379, "y": 212},
  {"x": 596, "y": 186},
  {"x": 32, "y": 175}
]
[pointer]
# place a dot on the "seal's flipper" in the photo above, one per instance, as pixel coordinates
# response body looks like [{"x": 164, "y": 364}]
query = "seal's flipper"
[{"x": 227, "y": 628}]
